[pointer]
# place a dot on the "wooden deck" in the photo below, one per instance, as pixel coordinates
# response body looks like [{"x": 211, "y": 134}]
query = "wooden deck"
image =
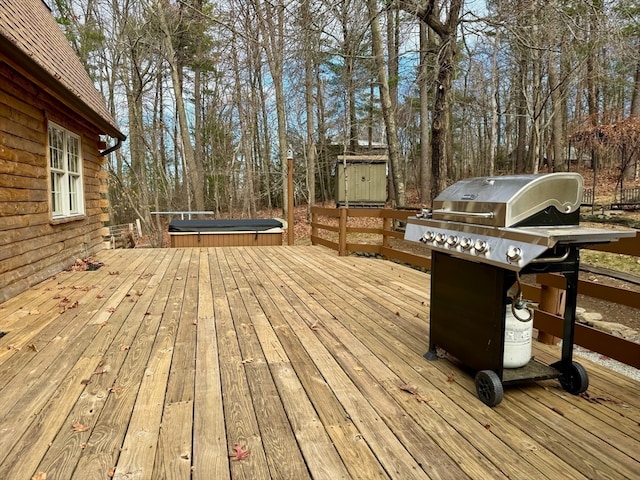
[{"x": 158, "y": 363}]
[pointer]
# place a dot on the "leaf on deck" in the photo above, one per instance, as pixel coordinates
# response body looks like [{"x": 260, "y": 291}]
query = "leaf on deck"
[
  {"x": 79, "y": 427},
  {"x": 39, "y": 476},
  {"x": 408, "y": 388},
  {"x": 239, "y": 453}
]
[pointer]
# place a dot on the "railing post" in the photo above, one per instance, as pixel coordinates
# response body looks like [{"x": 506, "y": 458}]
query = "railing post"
[
  {"x": 314, "y": 228},
  {"x": 386, "y": 226},
  {"x": 552, "y": 301},
  {"x": 342, "y": 232}
]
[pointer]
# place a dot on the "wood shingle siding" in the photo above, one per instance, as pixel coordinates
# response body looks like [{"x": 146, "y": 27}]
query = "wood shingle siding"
[{"x": 32, "y": 246}]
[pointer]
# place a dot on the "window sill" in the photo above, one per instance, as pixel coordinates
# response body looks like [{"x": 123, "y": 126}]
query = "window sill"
[{"x": 62, "y": 220}]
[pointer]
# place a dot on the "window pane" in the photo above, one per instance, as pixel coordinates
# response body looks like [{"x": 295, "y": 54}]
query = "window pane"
[
  {"x": 73, "y": 151},
  {"x": 74, "y": 193},
  {"x": 56, "y": 151},
  {"x": 56, "y": 193}
]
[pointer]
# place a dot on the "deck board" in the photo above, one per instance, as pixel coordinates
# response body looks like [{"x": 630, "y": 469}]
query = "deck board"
[{"x": 170, "y": 357}]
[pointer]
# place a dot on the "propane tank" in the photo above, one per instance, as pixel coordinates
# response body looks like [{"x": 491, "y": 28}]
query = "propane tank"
[{"x": 518, "y": 330}]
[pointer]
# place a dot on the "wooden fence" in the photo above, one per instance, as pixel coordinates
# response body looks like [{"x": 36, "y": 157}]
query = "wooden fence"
[{"x": 548, "y": 290}]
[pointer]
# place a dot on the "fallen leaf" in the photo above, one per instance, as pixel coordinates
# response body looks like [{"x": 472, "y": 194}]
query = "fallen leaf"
[
  {"x": 247, "y": 360},
  {"x": 239, "y": 453},
  {"x": 99, "y": 372},
  {"x": 13, "y": 347},
  {"x": 116, "y": 389},
  {"x": 111, "y": 473},
  {"x": 124, "y": 348},
  {"x": 79, "y": 427},
  {"x": 408, "y": 388},
  {"x": 32, "y": 346},
  {"x": 39, "y": 476},
  {"x": 111, "y": 309},
  {"x": 487, "y": 426},
  {"x": 358, "y": 368},
  {"x": 451, "y": 377},
  {"x": 422, "y": 399}
]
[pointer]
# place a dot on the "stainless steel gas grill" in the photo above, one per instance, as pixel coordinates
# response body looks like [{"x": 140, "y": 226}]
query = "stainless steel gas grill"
[{"x": 483, "y": 233}]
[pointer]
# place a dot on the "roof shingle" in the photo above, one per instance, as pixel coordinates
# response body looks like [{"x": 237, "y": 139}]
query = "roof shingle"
[{"x": 29, "y": 26}]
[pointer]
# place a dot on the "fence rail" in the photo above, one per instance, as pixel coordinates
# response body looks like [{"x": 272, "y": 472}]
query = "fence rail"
[
  {"x": 629, "y": 199},
  {"x": 548, "y": 292}
]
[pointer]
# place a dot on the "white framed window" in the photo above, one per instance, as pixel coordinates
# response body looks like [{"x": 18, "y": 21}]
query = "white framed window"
[{"x": 65, "y": 166}]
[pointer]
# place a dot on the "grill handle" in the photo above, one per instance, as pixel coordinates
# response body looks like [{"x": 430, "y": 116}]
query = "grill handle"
[
  {"x": 465, "y": 214},
  {"x": 559, "y": 259}
]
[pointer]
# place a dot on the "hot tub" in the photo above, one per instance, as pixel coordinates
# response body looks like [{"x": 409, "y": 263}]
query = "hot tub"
[{"x": 225, "y": 233}]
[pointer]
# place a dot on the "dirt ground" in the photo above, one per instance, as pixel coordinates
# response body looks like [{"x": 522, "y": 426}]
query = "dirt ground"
[{"x": 611, "y": 312}]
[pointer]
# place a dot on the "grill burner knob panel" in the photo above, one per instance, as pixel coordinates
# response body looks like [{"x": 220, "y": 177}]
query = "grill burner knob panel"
[{"x": 475, "y": 246}]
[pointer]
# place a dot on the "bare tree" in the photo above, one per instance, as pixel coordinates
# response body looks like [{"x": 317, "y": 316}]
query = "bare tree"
[
  {"x": 194, "y": 172},
  {"x": 446, "y": 29},
  {"x": 388, "y": 111}
]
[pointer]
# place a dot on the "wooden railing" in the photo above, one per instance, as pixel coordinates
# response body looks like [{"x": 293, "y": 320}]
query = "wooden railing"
[
  {"x": 340, "y": 227},
  {"x": 548, "y": 292}
]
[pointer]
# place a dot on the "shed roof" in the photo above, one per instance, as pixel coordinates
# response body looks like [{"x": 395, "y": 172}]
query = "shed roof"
[{"x": 31, "y": 38}]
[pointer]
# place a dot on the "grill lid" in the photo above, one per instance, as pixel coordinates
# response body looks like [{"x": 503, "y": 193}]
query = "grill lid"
[{"x": 513, "y": 200}]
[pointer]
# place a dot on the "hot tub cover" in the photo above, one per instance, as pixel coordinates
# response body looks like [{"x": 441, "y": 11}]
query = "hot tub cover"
[{"x": 221, "y": 225}]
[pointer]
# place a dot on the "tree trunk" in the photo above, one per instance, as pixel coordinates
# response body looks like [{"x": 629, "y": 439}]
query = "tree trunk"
[
  {"x": 557, "y": 127},
  {"x": 635, "y": 96},
  {"x": 195, "y": 172},
  {"x": 388, "y": 112},
  {"x": 271, "y": 17},
  {"x": 493, "y": 133},
  {"x": 309, "y": 65},
  {"x": 441, "y": 147},
  {"x": 425, "y": 150}
]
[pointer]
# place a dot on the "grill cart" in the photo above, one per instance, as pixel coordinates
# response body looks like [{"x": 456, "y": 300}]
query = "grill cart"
[{"x": 484, "y": 233}]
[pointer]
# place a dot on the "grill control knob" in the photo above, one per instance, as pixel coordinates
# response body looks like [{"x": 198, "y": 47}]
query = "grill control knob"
[
  {"x": 481, "y": 246},
  {"x": 452, "y": 240},
  {"x": 514, "y": 253},
  {"x": 466, "y": 243},
  {"x": 428, "y": 236},
  {"x": 440, "y": 238}
]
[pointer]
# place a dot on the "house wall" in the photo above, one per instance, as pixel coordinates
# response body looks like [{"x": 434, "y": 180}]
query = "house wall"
[{"x": 32, "y": 246}]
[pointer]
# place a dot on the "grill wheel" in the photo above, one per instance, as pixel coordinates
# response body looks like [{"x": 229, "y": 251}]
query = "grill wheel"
[
  {"x": 489, "y": 387},
  {"x": 575, "y": 379}
]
